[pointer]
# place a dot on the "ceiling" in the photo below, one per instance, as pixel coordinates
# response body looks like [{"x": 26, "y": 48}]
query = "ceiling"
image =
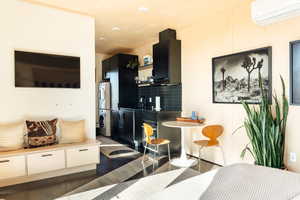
[{"x": 138, "y": 27}]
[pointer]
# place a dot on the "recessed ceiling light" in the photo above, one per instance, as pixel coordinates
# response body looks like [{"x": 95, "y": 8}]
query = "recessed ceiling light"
[
  {"x": 101, "y": 38},
  {"x": 115, "y": 28},
  {"x": 143, "y": 9}
]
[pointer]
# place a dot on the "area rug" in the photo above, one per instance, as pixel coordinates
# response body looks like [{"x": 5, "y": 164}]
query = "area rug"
[
  {"x": 135, "y": 189},
  {"x": 113, "y": 149},
  {"x": 119, "y": 175}
]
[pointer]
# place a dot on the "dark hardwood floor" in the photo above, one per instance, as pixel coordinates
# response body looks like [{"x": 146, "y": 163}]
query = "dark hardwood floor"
[{"x": 106, "y": 174}]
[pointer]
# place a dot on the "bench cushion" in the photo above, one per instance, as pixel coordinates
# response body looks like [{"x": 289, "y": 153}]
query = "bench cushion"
[
  {"x": 72, "y": 131},
  {"x": 11, "y": 136}
]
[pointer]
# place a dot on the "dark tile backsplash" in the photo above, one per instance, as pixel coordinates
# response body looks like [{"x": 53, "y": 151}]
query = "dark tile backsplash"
[{"x": 170, "y": 96}]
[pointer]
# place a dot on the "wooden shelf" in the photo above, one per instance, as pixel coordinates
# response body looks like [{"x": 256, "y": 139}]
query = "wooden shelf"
[{"x": 144, "y": 67}]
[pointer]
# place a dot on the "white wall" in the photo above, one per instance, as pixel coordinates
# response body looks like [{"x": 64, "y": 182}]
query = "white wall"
[
  {"x": 41, "y": 29},
  {"x": 230, "y": 32}
]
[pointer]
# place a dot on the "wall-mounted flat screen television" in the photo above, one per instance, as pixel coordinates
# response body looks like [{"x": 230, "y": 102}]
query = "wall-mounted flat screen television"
[{"x": 46, "y": 70}]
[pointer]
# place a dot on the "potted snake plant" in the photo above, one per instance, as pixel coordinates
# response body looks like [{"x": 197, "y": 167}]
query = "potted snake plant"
[{"x": 266, "y": 128}]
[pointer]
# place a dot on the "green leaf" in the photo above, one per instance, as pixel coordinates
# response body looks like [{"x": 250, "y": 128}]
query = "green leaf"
[{"x": 266, "y": 131}]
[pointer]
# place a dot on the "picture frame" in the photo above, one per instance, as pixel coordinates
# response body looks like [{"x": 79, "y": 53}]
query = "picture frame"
[
  {"x": 295, "y": 72},
  {"x": 235, "y": 76}
]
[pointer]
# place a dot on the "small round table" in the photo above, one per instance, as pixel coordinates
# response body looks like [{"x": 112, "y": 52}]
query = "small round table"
[{"x": 182, "y": 161}]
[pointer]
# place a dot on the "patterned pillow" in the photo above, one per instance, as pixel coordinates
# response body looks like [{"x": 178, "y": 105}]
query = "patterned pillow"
[{"x": 41, "y": 133}]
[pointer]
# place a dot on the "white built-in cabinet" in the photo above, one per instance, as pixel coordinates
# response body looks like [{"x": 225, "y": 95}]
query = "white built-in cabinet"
[
  {"x": 35, "y": 164},
  {"x": 12, "y": 167}
]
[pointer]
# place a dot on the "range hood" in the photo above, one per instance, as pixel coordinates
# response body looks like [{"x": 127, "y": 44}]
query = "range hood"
[{"x": 167, "y": 58}]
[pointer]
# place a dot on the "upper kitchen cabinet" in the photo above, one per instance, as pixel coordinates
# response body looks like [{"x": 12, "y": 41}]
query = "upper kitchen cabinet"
[
  {"x": 122, "y": 79},
  {"x": 105, "y": 69},
  {"x": 167, "y": 58}
]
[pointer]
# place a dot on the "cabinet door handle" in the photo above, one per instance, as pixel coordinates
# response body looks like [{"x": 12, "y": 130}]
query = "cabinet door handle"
[
  {"x": 4, "y": 161},
  {"x": 83, "y": 149},
  {"x": 47, "y": 155}
]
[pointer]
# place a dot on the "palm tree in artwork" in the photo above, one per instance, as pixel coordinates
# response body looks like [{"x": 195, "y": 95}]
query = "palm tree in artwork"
[{"x": 223, "y": 70}]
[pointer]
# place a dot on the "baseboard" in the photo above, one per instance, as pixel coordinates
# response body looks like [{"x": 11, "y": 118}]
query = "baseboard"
[
  {"x": 206, "y": 160},
  {"x": 66, "y": 171}
]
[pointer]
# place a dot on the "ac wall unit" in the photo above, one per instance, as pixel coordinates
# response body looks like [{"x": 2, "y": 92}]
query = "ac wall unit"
[{"x": 265, "y": 12}]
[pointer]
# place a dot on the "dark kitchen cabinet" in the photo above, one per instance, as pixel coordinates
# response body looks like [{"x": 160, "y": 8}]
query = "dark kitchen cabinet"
[
  {"x": 130, "y": 127},
  {"x": 115, "y": 124},
  {"x": 121, "y": 124},
  {"x": 126, "y": 125},
  {"x": 123, "y": 93},
  {"x": 139, "y": 130},
  {"x": 167, "y": 60},
  {"x": 155, "y": 119},
  {"x": 105, "y": 69},
  {"x": 161, "y": 61},
  {"x": 122, "y": 80}
]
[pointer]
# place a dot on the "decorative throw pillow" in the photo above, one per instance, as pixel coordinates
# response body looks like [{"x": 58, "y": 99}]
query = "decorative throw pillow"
[
  {"x": 11, "y": 136},
  {"x": 41, "y": 133},
  {"x": 72, "y": 131}
]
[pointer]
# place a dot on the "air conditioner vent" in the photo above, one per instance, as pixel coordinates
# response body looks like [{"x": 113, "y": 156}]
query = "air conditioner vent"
[{"x": 265, "y": 12}]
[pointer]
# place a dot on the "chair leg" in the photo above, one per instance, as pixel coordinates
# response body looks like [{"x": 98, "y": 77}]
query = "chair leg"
[
  {"x": 223, "y": 155},
  {"x": 200, "y": 155},
  {"x": 157, "y": 153},
  {"x": 144, "y": 152},
  {"x": 169, "y": 152}
]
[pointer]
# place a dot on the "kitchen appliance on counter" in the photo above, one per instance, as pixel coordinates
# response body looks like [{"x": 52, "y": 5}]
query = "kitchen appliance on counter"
[
  {"x": 142, "y": 102},
  {"x": 104, "y": 109},
  {"x": 148, "y": 60}
]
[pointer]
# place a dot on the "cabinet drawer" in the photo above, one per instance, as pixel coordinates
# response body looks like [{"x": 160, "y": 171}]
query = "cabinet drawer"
[
  {"x": 44, "y": 162},
  {"x": 82, "y": 156},
  {"x": 12, "y": 167}
]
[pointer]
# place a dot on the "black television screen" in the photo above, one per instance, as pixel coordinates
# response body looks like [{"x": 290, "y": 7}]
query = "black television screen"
[{"x": 46, "y": 70}]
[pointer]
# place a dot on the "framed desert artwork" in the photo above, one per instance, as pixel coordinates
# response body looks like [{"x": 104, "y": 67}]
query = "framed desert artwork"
[{"x": 236, "y": 76}]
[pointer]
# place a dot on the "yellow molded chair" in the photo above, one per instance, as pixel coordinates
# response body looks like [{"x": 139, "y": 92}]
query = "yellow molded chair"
[
  {"x": 212, "y": 132},
  {"x": 154, "y": 142}
]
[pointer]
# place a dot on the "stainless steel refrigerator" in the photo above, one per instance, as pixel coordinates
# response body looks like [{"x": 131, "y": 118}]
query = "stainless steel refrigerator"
[{"x": 105, "y": 109}]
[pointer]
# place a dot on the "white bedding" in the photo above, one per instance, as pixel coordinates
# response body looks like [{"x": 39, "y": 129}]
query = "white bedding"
[
  {"x": 224, "y": 186},
  {"x": 253, "y": 182},
  {"x": 190, "y": 189}
]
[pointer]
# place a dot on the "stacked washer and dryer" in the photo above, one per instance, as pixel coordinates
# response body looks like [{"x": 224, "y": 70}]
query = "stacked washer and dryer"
[{"x": 104, "y": 109}]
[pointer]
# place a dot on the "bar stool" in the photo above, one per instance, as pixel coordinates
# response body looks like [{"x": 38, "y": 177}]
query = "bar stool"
[
  {"x": 212, "y": 132},
  {"x": 154, "y": 142}
]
